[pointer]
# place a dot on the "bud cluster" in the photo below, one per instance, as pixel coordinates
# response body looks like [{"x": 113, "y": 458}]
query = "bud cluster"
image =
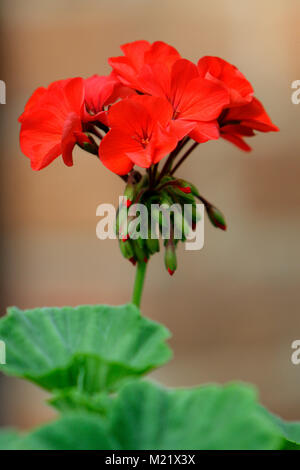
[{"x": 172, "y": 214}]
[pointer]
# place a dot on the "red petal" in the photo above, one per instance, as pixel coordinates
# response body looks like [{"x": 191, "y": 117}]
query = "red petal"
[
  {"x": 48, "y": 157},
  {"x": 138, "y": 114},
  {"x": 252, "y": 115},
  {"x": 202, "y": 101},
  {"x": 237, "y": 129},
  {"x": 205, "y": 131},
  {"x": 183, "y": 72},
  {"x": 220, "y": 71},
  {"x": 97, "y": 90},
  {"x": 140, "y": 58},
  {"x": 112, "y": 153},
  {"x": 128, "y": 67},
  {"x": 72, "y": 126},
  {"x": 74, "y": 93},
  {"x": 155, "y": 79},
  {"x": 237, "y": 140},
  {"x": 162, "y": 143},
  {"x": 124, "y": 69},
  {"x": 39, "y": 136},
  {"x": 32, "y": 102},
  {"x": 160, "y": 52},
  {"x": 181, "y": 128},
  {"x": 135, "y": 51}
]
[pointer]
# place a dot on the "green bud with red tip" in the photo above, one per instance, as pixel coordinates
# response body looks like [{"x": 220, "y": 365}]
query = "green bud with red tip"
[
  {"x": 185, "y": 190},
  {"x": 215, "y": 216},
  {"x": 129, "y": 194},
  {"x": 127, "y": 250},
  {"x": 194, "y": 190},
  {"x": 170, "y": 257},
  {"x": 185, "y": 196},
  {"x": 184, "y": 186}
]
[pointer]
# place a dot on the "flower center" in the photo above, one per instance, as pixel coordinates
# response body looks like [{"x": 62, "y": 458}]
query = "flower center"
[{"x": 145, "y": 141}]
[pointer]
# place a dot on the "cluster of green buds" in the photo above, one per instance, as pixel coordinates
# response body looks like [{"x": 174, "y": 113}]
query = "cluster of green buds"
[{"x": 171, "y": 212}]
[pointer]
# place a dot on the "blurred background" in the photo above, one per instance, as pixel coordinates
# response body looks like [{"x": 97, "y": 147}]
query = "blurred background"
[{"x": 233, "y": 307}]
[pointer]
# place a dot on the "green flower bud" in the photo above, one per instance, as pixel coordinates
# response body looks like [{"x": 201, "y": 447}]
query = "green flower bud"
[
  {"x": 186, "y": 198},
  {"x": 126, "y": 249},
  {"x": 170, "y": 257},
  {"x": 194, "y": 190},
  {"x": 129, "y": 193},
  {"x": 215, "y": 216}
]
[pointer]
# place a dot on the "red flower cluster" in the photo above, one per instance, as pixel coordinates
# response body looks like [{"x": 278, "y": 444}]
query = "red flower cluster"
[{"x": 151, "y": 101}]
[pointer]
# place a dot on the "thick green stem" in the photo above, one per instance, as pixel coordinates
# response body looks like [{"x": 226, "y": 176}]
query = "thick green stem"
[{"x": 139, "y": 283}]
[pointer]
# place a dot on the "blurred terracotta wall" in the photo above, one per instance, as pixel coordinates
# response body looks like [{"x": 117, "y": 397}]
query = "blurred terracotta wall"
[{"x": 233, "y": 308}]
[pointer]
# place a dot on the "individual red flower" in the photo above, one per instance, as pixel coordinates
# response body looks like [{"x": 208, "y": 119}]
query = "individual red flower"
[
  {"x": 140, "y": 134},
  {"x": 139, "y": 54},
  {"x": 101, "y": 91},
  {"x": 245, "y": 113},
  {"x": 196, "y": 102},
  {"x": 51, "y": 124},
  {"x": 239, "y": 122},
  {"x": 219, "y": 71}
]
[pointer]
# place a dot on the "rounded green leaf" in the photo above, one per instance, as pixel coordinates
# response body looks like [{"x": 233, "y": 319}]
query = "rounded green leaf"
[
  {"x": 72, "y": 432},
  {"x": 146, "y": 416},
  {"x": 92, "y": 348}
]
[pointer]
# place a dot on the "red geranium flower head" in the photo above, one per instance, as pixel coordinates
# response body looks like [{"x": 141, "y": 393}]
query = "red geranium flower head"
[
  {"x": 51, "y": 123},
  {"x": 140, "y": 134},
  {"x": 222, "y": 72}
]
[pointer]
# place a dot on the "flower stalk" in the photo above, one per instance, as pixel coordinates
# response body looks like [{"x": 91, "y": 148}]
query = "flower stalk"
[{"x": 139, "y": 283}]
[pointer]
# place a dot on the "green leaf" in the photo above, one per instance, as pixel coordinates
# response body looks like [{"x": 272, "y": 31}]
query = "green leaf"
[
  {"x": 92, "y": 348},
  {"x": 72, "y": 432},
  {"x": 74, "y": 400},
  {"x": 289, "y": 429},
  {"x": 8, "y": 439},
  {"x": 146, "y": 416}
]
